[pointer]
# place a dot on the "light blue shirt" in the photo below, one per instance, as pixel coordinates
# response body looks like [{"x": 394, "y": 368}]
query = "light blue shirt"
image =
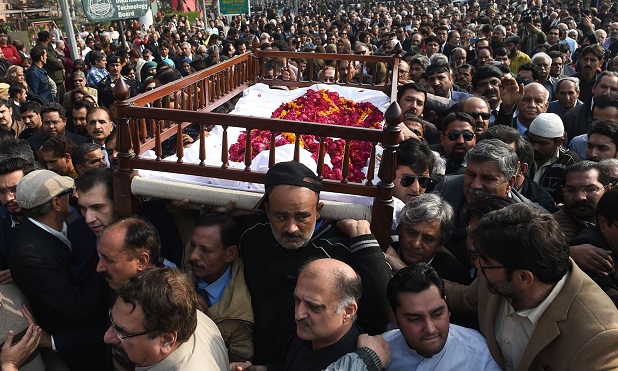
[
  {"x": 579, "y": 144},
  {"x": 465, "y": 349},
  {"x": 521, "y": 129},
  {"x": 215, "y": 289}
]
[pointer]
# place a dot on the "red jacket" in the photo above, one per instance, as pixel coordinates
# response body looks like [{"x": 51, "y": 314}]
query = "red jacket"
[{"x": 11, "y": 54}]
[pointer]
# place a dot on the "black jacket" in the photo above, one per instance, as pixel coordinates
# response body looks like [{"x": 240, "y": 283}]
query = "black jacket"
[
  {"x": 271, "y": 272},
  {"x": 68, "y": 304}
]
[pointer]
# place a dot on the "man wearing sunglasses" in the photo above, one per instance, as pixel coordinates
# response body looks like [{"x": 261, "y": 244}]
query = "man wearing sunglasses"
[
  {"x": 478, "y": 109},
  {"x": 415, "y": 163},
  {"x": 456, "y": 140}
]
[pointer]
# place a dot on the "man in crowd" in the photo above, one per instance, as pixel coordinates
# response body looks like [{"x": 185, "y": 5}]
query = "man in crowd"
[
  {"x": 55, "y": 155},
  {"x": 36, "y": 76},
  {"x": 425, "y": 224},
  {"x": 11, "y": 216},
  {"x": 105, "y": 88},
  {"x": 591, "y": 58},
  {"x": 577, "y": 120},
  {"x": 87, "y": 156},
  {"x": 415, "y": 164},
  {"x": 289, "y": 232},
  {"x": 411, "y": 98},
  {"x": 441, "y": 79},
  {"x": 157, "y": 311},
  {"x": 567, "y": 96},
  {"x": 456, "y": 140},
  {"x": 30, "y": 113},
  {"x": 582, "y": 186},
  {"x": 424, "y": 335},
  {"x": 99, "y": 126},
  {"x": 68, "y": 304},
  {"x": 516, "y": 56},
  {"x": 53, "y": 124},
  {"x": 478, "y": 109},
  {"x": 126, "y": 248},
  {"x": 6, "y": 119},
  {"x": 546, "y": 134},
  {"x": 219, "y": 274},
  {"x": 602, "y": 141},
  {"x": 565, "y": 321},
  {"x": 79, "y": 114}
]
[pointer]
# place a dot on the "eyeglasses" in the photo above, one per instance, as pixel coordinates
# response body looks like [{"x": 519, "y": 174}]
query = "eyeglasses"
[
  {"x": 78, "y": 80},
  {"x": 455, "y": 134},
  {"x": 484, "y": 115},
  {"x": 11, "y": 190},
  {"x": 402, "y": 72},
  {"x": 361, "y": 52},
  {"x": 588, "y": 190},
  {"x": 127, "y": 336},
  {"x": 488, "y": 266},
  {"x": 407, "y": 180}
]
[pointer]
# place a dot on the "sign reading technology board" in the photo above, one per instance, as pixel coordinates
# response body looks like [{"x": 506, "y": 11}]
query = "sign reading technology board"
[
  {"x": 112, "y": 10},
  {"x": 233, "y": 7}
]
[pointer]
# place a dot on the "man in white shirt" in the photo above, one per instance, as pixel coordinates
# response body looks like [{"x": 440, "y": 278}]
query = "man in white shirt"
[{"x": 425, "y": 339}]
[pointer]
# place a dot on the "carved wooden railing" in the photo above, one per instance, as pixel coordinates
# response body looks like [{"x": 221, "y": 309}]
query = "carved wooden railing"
[{"x": 145, "y": 121}]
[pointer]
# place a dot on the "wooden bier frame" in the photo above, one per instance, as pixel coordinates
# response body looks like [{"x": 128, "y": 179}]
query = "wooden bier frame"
[{"x": 145, "y": 121}]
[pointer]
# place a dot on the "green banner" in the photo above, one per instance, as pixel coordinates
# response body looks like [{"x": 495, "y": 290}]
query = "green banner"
[
  {"x": 112, "y": 10},
  {"x": 232, "y": 7}
]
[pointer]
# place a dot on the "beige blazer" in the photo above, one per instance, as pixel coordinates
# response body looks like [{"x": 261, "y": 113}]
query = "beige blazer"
[{"x": 578, "y": 331}]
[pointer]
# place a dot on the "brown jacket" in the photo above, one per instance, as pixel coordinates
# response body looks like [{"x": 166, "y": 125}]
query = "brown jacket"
[
  {"x": 233, "y": 315},
  {"x": 578, "y": 331}
]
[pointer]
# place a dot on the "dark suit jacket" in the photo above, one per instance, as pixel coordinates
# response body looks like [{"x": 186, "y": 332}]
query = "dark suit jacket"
[
  {"x": 577, "y": 120},
  {"x": 37, "y": 140},
  {"x": 578, "y": 331},
  {"x": 73, "y": 309}
]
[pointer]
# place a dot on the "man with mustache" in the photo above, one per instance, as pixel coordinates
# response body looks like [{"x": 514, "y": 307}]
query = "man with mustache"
[
  {"x": 546, "y": 134},
  {"x": 536, "y": 308},
  {"x": 99, "y": 126},
  {"x": 457, "y": 138},
  {"x": 326, "y": 300},
  {"x": 492, "y": 167},
  {"x": 220, "y": 282},
  {"x": 591, "y": 58},
  {"x": 583, "y": 185},
  {"x": 275, "y": 243},
  {"x": 6, "y": 119}
]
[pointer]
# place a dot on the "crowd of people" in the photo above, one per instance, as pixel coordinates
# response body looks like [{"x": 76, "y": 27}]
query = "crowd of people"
[{"x": 505, "y": 239}]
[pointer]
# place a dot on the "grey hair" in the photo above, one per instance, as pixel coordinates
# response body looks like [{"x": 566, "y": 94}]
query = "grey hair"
[
  {"x": 609, "y": 162},
  {"x": 350, "y": 288},
  {"x": 79, "y": 74},
  {"x": 185, "y": 44},
  {"x": 429, "y": 207},
  {"x": 201, "y": 48},
  {"x": 495, "y": 150},
  {"x": 38, "y": 211},
  {"x": 501, "y": 29},
  {"x": 572, "y": 79},
  {"x": 438, "y": 58},
  {"x": 540, "y": 55}
]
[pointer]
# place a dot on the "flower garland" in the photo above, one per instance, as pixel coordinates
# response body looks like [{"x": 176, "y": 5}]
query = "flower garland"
[{"x": 324, "y": 107}]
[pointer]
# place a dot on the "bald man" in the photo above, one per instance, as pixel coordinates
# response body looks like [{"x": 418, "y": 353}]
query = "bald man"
[
  {"x": 478, "y": 108},
  {"x": 534, "y": 102},
  {"x": 326, "y": 301}
]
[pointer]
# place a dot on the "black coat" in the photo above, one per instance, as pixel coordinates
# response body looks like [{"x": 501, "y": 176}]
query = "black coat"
[{"x": 70, "y": 306}]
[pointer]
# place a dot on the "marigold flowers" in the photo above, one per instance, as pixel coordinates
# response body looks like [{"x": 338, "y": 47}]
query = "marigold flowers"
[{"x": 324, "y": 107}]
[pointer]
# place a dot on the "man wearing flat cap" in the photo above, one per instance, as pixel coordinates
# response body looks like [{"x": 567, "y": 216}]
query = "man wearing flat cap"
[
  {"x": 278, "y": 241},
  {"x": 546, "y": 134},
  {"x": 517, "y": 57},
  {"x": 105, "y": 89},
  {"x": 68, "y": 303}
]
